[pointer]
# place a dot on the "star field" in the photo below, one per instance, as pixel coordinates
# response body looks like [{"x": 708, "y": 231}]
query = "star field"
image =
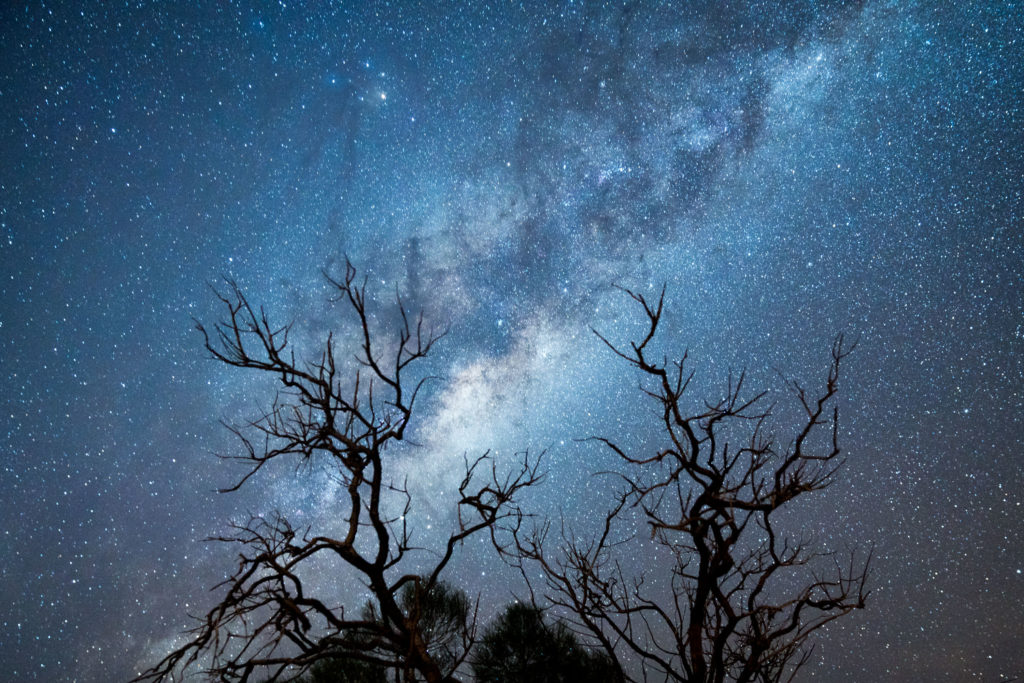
[{"x": 789, "y": 170}]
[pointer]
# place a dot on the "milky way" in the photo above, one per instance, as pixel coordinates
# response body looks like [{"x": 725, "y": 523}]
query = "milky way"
[{"x": 789, "y": 171}]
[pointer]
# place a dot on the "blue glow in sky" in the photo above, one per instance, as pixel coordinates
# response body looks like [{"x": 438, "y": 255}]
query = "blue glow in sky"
[{"x": 790, "y": 170}]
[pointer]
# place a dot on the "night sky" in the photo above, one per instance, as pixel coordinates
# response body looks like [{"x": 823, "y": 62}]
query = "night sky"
[{"x": 789, "y": 170}]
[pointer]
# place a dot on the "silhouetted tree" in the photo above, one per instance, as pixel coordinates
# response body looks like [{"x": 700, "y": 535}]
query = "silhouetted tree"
[
  {"x": 736, "y": 599},
  {"x": 267, "y": 623},
  {"x": 522, "y": 647},
  {"x": 445, "y": 616},
  {"x": 344, "y": 670}
]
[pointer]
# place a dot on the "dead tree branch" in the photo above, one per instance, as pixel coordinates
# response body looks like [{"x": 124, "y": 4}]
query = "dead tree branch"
[
  {"x": 709, "y": 503},
  {"x": 267, "y": 624}
]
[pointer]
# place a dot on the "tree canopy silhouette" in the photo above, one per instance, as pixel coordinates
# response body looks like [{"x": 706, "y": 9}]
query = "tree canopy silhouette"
[
  {"x": 521, "y": 646},
  {"x": 445, "y": 617}
]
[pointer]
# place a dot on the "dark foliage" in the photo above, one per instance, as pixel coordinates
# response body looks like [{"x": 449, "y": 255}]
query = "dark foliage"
[
  {"x": 344, "y": 670},
  {"x": 444, "y": 616},
  {"x": 521, "y": 646}
]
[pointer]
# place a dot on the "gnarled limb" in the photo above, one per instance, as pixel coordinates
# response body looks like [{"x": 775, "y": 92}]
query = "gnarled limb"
[
  {"x": 730, "y": 611},
  {"x": 267, "y": 623}
]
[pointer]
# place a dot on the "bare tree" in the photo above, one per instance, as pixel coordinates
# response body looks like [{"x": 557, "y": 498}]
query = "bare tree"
[
  {"x": 267, "y": 623},
  {"x": 742, "y": 597}
]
